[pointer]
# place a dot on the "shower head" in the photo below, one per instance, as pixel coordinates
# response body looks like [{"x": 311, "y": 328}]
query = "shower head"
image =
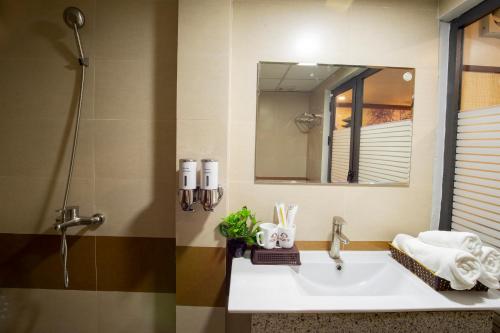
[{"x": 74, "y": 16}]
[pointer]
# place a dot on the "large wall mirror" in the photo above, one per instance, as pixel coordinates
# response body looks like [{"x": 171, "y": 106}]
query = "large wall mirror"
[{"x": 333, "y": 124}]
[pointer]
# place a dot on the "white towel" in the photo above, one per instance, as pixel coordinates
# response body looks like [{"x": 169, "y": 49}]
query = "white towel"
[
  {"x": 461, "y": 268},
  {"x": 490, "y": 267},
  {"x": 453, "y": 239}
]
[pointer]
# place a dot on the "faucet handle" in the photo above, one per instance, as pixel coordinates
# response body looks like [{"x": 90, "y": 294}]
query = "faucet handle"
[{"x": 337, "y": 220}]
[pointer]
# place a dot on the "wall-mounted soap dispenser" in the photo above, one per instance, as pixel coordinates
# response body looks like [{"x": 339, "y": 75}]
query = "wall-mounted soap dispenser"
[
  {"x": 187, "y": 184},
  {"x": 208, "y": 194}
]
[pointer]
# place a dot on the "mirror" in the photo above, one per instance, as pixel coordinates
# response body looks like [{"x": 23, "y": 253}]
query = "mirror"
[{"x": 333, "y": 124}]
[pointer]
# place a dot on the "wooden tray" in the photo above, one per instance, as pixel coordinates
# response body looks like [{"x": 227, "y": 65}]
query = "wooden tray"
[
  {"x": 261, "y": 256},
  {"x": 426, "y": 274}
]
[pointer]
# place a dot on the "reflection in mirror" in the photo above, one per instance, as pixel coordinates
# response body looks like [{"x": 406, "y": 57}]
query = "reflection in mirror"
[{"x": 333, "y": 124}]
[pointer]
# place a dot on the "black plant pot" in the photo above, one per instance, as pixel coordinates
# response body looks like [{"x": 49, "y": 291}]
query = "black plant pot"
[{"x": 236, "y": 247}]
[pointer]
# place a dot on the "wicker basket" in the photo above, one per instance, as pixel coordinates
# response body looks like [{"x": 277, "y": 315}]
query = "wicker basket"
[
  {"x": 276, "y": 256},
  {"x": 426, "y": 274}
]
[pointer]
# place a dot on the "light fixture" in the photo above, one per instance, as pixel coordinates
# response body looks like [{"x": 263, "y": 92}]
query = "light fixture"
[
  {"x": 407, "y": 76},
  {"x": 341, "y": 98},
  {"x": 307, "y": 64}
]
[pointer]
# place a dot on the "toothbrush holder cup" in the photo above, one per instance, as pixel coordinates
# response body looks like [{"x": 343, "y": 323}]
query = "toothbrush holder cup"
[
  {"x": 286, "y": 236},
  {"x": 267, "y": 236}
]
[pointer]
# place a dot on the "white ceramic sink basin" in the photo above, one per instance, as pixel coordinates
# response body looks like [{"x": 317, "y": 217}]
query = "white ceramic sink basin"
[
  {"x": 368, "y": 281},
  {"x": 370, "y": 275}
]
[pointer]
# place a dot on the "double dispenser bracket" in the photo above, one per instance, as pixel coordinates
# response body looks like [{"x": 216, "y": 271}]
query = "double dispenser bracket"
[{"x": 207, "y": 198}]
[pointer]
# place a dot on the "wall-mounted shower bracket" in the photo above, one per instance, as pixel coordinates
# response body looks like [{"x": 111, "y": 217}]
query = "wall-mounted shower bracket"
[
  {"x": 84, "y": 61},
  {"x": 207, "y": 198}
]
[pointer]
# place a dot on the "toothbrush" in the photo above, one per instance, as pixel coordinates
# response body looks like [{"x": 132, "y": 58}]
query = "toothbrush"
[
  {"x": 291, "y": 212},
  {"x": 280, "y": 211}
]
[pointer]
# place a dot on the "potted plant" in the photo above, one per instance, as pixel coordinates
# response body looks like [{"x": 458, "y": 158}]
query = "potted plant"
[{"x": 240, "y": 229}]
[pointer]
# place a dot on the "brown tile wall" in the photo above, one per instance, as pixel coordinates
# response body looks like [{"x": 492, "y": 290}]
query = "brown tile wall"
[{"x": 136, "y": 264}]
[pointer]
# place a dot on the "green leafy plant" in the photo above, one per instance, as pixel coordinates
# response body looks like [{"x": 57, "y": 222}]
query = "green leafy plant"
[{"x": 240, "y": 225}]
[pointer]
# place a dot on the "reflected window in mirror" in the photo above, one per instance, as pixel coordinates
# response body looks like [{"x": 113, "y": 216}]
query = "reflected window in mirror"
[{"x": 333, "y": 124}]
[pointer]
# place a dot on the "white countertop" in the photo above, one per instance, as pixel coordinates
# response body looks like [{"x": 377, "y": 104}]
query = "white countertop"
[{"x": 370, "y": 281}]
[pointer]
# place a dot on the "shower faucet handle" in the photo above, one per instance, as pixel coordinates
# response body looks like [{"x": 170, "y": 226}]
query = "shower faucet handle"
[{"x": 68, "y": 213}]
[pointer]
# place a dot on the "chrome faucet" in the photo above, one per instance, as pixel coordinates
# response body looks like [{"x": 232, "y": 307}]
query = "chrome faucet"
[
  {"x": 337, "y": 237},
  {"x": 69, "y": 217}
]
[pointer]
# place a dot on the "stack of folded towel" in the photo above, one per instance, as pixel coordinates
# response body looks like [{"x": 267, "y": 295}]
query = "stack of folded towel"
[{"x": 458, "y": 257}]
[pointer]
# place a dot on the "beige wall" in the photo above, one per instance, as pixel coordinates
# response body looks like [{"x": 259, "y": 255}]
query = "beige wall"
[
  {"x": 126, "y": 155},
  {"x": 203, "y": 85},
  {"x": 450, "y": 9},
  {"x": 216, "y": 111},
  {"x": 378, "y": 38},
  {"x": 281, "y": 148}
]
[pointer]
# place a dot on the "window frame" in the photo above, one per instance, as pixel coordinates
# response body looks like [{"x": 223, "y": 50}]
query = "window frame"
[
  {"x": 357, "y": 85},
  {"x": 453, "y": 94}
]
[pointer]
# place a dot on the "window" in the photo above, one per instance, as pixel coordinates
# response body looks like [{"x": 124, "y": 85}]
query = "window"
[
  {"x": 471, "y": 177},
  {"x": 371, "y": 127}
]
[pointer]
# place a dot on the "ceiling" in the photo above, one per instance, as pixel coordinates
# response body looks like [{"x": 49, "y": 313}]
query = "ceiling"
[{"x": 293, "y": 77}]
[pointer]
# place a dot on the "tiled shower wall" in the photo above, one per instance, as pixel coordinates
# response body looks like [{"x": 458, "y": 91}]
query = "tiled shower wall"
[{"x": 122, "y": 276}]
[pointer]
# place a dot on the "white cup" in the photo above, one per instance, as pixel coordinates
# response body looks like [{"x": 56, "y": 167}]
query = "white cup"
[
  {"x": 286, "y": 236},
  {"x": 267, "y": 236}
]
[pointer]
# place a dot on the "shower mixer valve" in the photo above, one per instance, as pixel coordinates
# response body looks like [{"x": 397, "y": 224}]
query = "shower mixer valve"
[{"x": 69, "y": 217}]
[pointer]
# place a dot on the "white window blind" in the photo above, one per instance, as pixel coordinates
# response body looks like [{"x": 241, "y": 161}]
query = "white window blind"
[
  {"x": 385, "y": 152},
  {"x": 341, "y": 147},
  {"x": 476, "y": 193}
]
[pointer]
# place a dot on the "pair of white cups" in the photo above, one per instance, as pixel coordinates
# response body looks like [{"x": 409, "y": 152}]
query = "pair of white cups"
[{"x": 271, "y": 233}]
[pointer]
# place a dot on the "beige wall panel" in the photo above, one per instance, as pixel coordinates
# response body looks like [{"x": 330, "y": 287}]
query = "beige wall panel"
[
  {"x": 203, "y": 85},
  {"x": 401, "y": 37},
  {"x": 281, "y": 148}
]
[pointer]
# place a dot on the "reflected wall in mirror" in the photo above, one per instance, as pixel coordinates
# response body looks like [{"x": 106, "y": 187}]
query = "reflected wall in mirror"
[{"x": 333, "y": 124}]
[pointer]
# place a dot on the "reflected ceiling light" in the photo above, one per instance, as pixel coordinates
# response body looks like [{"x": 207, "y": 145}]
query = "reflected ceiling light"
[
  {"x": 407, "y": 76},
  {"x": 341, "y": 98},
  {"x": 307, "y": 64}
]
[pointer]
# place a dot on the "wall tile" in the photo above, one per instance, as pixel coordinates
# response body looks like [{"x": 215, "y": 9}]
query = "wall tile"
[
  {"x": 135, "y": 264},
  {"x": 29, "y": 204},
  {"x": 136, "y": 207},
  {"x": 42, "y": 148},
  {"x": 134, "y": 149},
  {"x": 40, "y": 96},
  {"x": 34, "y": 29},
  {"x": 34, "y": 261},
  {"x": 207, "y": 319},
  {"x": 44, "y": 310},
  {"x": 121, "y": 312},
  {"x": 135, "y": 89}
]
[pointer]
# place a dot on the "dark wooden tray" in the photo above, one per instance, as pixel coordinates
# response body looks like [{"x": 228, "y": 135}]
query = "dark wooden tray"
[
  {"x": 426, "y": 274},
  {"x": 261, "y": 256}
]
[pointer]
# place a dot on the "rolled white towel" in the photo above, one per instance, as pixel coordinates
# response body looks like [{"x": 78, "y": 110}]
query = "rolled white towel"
[
  {"x": 461, "y": 268},
  {"x": 490, "y": 267},
  {"x": 466, "y": 241}
]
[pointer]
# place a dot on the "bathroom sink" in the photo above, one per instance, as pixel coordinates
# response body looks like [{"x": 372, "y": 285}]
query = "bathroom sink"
[
  {"x": 369, "y": 275},
  {"x": 369, "y": 281}
]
